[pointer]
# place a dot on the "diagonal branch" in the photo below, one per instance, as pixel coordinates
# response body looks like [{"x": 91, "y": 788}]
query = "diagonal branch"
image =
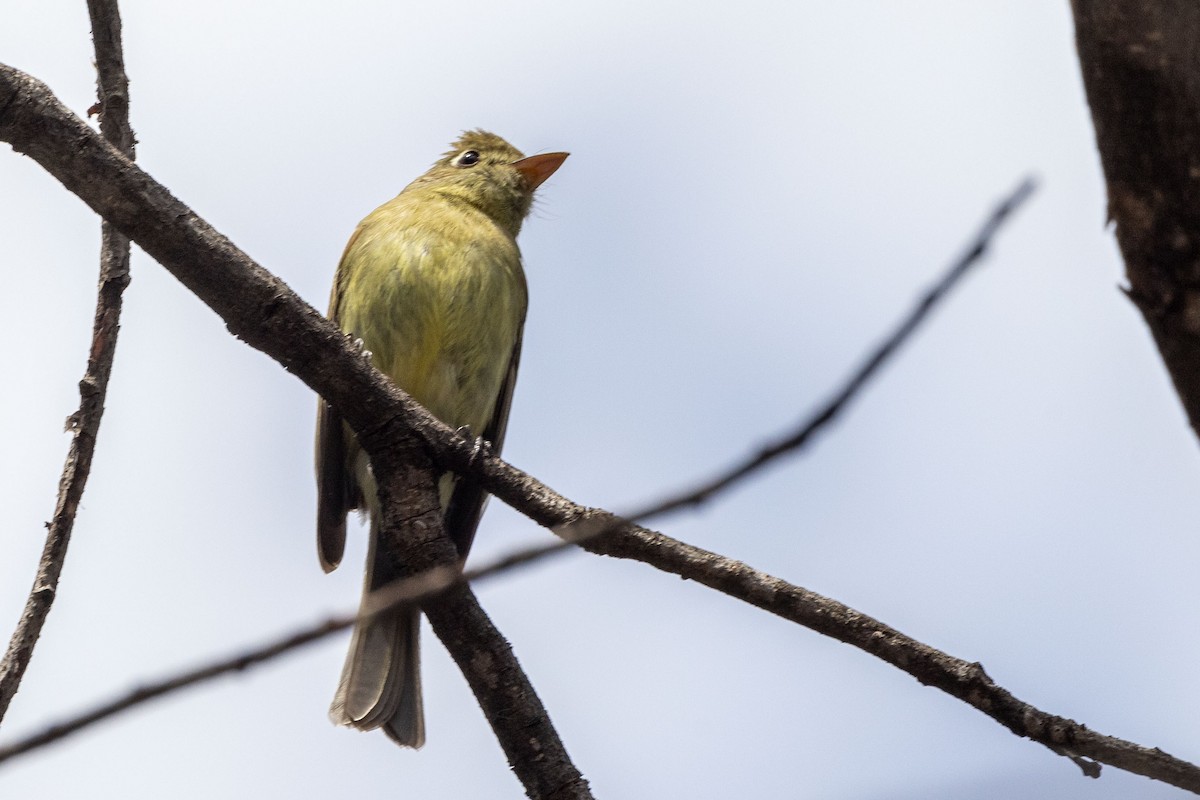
[
  {"x": 957, "y": 677},
  {"x": 113, "y": 91},
  {"x": 796, "y": 440},
  {"x": 260, "y": 309},
  {"x": 413, "y": 540},
  {"x": 263, "y": 311}
]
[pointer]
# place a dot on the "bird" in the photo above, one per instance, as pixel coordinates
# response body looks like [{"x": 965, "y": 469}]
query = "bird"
[{"x": 432, "y": 285}]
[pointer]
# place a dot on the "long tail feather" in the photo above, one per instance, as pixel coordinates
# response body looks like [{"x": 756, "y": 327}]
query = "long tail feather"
[{"x": 380, "y": 685}]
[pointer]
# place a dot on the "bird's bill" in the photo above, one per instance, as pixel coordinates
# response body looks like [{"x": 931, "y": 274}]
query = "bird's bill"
[{"x": 536, "y": 169}]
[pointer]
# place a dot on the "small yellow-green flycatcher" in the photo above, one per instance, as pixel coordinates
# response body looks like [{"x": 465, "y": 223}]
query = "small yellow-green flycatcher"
[{"x": 432, "y": 284}]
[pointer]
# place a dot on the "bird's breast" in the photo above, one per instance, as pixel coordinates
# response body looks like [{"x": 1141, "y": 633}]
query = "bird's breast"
[{"x": 439, "y": 302}]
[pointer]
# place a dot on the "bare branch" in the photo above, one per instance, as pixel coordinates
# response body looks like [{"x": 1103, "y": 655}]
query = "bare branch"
[
  {"x": 959, "y": 678},
  {"x": 263, "y": 311},
  {"x": 266, "y": 314},
  {"x": 413, "y": 540},
  {"x": 113, "y": 92},
  {"x": 794, "y": 441},
  {"x": 506, "y": 695},
  {"x": 112, "y": 84}
]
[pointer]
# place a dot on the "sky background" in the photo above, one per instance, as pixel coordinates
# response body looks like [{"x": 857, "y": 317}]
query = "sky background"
[{"x": 756, "y": 193}]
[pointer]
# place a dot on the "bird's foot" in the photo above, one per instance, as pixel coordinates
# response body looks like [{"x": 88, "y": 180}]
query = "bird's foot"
[
  {"x": 361, "y": 347},
  {"x": 482, "y": 447}
]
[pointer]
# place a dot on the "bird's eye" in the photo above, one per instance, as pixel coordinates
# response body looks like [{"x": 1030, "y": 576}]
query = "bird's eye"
[{"x": 468, "y": 158}]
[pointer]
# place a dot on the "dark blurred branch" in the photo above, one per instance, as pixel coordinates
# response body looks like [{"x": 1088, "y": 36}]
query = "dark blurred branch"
[
  {"x": 112, "y": 89},
  {"x": 1141, "y": 70},
  {"x": 260, "y": 309},
  {"x": 794, "y": 441}
]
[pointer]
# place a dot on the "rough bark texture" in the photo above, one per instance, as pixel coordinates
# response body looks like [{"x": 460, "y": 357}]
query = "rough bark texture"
[
  {"x": 414, "y": 535},
  {"x": 263, "y": 311},
  {"x": 1141, "y": 68},
  {"x": 112, "y": 89},
  {"x": 260, "y": 309}
]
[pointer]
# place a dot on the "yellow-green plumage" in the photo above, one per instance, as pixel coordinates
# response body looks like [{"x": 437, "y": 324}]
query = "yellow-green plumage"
[
  {"x": 453, "y": 298},
  {"x": 432, "y": 284}
]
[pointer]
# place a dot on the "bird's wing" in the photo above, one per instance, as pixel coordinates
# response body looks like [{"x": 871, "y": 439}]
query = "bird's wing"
[
  {"x": 467, "y": 501},
  {"x": 337, "y": 492}
]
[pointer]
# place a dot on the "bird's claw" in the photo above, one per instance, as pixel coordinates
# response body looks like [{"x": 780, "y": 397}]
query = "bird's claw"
[
  {"x": 482, "y": 450},
  {"x": 482, "y": 447},
  {"x": 361, "y": 347}
]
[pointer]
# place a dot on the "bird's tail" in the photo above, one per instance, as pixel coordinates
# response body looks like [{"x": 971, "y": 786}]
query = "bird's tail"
[{"x": 380, "y": 685}]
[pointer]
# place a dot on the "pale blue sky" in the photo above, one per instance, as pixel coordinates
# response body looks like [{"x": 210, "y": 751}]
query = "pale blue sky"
[{"x": 755, "y": 194}]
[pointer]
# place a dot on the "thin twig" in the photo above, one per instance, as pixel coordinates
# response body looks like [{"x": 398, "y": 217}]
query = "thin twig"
[
  {"x": 962, "y": 679},
  {"x": 260, "y": 309},
  {"x": 404, "y": 592},
  {"x": 113, "y": 91},
  {"x": 957, "y": 677},
  {"x": 795, "y": 440}
]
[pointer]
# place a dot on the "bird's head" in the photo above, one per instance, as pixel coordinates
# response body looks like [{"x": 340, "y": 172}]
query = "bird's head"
[{"x": 489, "y": 173}]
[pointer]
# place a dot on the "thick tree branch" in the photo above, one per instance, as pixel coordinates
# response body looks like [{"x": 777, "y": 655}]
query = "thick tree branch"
[
  {"x": 264, "y": 312},
  {"x": 260, "y": 309},
  {"x": 113, "y": 92},
  {"x": 1141, "y": 69},
  {"x": 414, "y": 540}
]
